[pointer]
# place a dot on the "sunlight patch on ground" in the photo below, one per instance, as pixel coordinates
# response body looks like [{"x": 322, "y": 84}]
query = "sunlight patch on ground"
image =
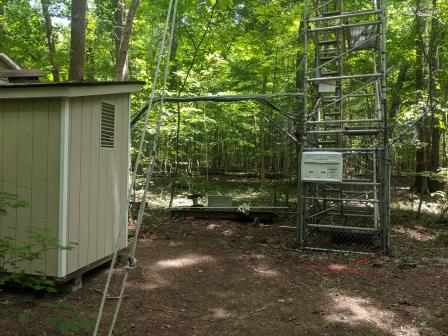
[
  {"x": 357, "y": 310},
  {"x": 417, "y": 233},
  {"x": 213, "y": 226},
  {"x": 266, "y": 272},
  {"x": 185, "y": 261},
  {"x": 228, "y": 232},
  {"x": 220, "y": 313},
  {"x": 175, "y": 243},
  {"x": 151, "y": 280}
]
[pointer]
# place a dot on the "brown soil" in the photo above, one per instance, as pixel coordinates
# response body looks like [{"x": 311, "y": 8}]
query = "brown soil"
[{"x": 200, "y": 277}]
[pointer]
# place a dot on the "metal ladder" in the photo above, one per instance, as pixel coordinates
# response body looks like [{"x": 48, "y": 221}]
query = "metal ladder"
[{"x": 346, "y": 113}]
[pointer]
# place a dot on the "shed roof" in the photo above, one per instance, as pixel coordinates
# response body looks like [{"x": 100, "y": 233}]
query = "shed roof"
[
  {"x": 67, "y": 89},
  {"x": 8, "y": 62}
]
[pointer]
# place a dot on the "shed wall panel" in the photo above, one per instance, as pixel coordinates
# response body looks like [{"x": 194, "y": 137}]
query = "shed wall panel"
[
  {"x": 29, "y": 165},
  {"x": 10, "y": 151},
  {"x": 53, "y": 180},
  {"x": 39, "y": 174},
  {"x": 98, "y": 180},
  {"x": 25, "y": 173},
  {"x": 84, "y": 188},
  {"x": 94, "y": 176},
  {"x": 74, "y": 178}
]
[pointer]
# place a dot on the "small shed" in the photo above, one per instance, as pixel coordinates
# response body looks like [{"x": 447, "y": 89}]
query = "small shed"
[
  {"x": 11, "y": 72},
  {"x": 64, "y": 148}
]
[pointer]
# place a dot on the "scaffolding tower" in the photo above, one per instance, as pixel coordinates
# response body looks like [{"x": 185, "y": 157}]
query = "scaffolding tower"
[{"x": 344, "y": 113}]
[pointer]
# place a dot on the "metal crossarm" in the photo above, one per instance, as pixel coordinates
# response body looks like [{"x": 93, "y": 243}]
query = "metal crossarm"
[{"x": 345, "y": 114}]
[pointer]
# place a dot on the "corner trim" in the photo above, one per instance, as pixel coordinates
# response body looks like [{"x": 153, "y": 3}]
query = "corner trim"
[{"x": 63, "y": 186}]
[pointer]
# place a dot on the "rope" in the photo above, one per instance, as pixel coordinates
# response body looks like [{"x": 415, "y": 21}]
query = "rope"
[
  {"x": 132, "y": 261},
  {"x": 132, "y": 182}
]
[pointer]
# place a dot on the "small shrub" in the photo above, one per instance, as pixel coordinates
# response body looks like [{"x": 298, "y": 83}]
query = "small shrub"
[
  {"x": 13, "y": 253},
  {"x": 67, "y": 321}
]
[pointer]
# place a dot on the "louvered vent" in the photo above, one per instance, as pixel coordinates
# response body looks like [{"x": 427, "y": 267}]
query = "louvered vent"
[{"x": 107, "y": 125}]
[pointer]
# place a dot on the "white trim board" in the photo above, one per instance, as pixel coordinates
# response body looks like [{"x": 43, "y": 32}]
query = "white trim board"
[
  {"x": 63, "y": 186},
  {"x": 65, "y": 91}
]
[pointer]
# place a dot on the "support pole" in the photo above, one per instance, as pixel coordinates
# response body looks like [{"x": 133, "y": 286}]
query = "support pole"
[{"x": 302, "y": 80}]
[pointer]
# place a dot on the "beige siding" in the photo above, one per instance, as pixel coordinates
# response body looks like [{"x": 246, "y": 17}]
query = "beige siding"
[
  {"x": 97, "y": 180},
  {"x": 29, "y": 166}
]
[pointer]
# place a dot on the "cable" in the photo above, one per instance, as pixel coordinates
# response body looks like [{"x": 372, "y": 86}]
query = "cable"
[{"x": 131, "y": 185}]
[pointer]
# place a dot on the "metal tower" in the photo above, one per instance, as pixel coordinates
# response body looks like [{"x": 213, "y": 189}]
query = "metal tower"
[{"x": 345, "y": 113}]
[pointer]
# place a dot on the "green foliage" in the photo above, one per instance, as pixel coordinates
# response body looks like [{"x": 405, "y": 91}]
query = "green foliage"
[
  {"x": 249, "y": 46},
  {"x": 26, "y": 316},
  {"x": 8, "y": 200},
  {"x": 15, "y": 255},
  {"x": 67, "y": 321}
]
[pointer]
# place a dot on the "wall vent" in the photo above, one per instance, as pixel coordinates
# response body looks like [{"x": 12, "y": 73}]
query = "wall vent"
[{"x": 107, "y": 125}]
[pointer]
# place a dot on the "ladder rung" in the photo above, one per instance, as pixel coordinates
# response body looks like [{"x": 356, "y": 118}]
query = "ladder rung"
[
  {"x": 326, "y": 59},
  {"x": 329, "y": 73},
  {"x": 331, "y": 98},
  {"x": 317, "y": 79},
  {"x": 343, "y": 150},
  {"x": 338, "y": 15},
  {"x": 332, "y": 13},
  {"x": 356, "y": 200},
  {"x": 348, "y": 132},
  {"x": 327, "y": 142},
  {"x": 338, "y": 27},
  {"x": 327, "y": 42}
]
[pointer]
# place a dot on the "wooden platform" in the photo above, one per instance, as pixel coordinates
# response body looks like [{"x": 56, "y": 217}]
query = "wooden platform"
[{"x": 262, "y": 214}]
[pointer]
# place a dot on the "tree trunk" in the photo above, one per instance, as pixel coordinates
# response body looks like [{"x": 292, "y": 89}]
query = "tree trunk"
[
  {"x": 173, "y": 67},
  {"x": 2, "y": 24},
  {"x": 434, "y": 94},
  {"x": 263, "y": 135},
  {"x": 119, "y": 17},
  {"x": 78, "y": 40},
  {"x": 421, "y": 182},
  {"x": 50, "y": 40},
  {"x": 121, "y": 68},
  {"x": 396, "y": 97}
]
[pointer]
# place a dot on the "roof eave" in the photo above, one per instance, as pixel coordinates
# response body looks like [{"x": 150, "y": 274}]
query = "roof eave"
[{"x": 38, "y": 91}]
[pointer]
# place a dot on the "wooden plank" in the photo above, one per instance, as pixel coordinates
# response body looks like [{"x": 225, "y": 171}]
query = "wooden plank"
[
  {"x": 84, "y": 192},
  {"x": 39, "y": 175},
  {"x": 9, "y": 176},
  {"x": 94, "y": 183},
  {"x": 97, "y": 263},
  {"x": 233, "y": 208},
  {"x": 261, "y": 215},
  {"x": 53, "y": 172},
  {"x": 102, "y": 196},
  {"x": 74, "y": 182},
  {"x": 24, "y": 174}
]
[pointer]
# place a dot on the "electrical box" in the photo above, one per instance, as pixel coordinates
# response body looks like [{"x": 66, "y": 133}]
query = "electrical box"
[
  {"x": 327, "y": 87},
  {"x": 322, "y": 166}
]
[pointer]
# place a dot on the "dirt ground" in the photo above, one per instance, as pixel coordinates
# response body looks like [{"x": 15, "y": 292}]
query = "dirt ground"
[{"x": 197, "y": 277}]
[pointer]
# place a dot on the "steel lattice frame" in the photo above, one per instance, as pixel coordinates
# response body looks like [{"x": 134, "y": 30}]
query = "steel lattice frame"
[{"x": 345, "y": 111}]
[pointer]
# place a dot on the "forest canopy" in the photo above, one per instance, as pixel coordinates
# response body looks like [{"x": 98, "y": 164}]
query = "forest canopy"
[{"x": 236, "y": 47}]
